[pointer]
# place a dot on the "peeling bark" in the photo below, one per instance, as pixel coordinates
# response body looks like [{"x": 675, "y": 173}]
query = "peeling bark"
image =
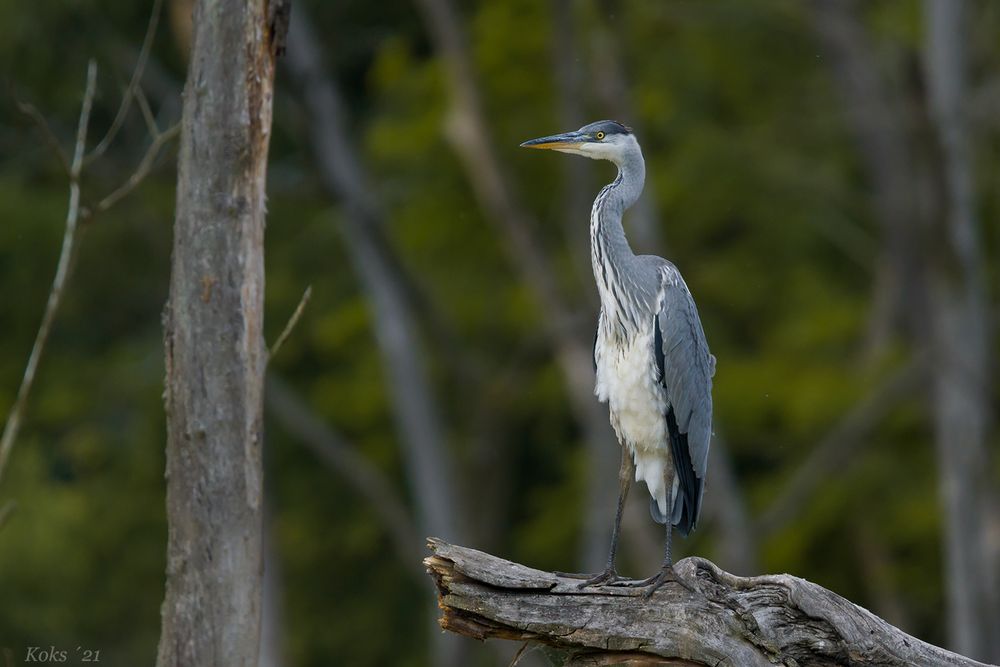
[{"x": 727, "y": 620}]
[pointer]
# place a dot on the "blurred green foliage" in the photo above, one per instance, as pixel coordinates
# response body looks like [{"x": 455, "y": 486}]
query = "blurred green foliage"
[{"x": 763, "y": 208}]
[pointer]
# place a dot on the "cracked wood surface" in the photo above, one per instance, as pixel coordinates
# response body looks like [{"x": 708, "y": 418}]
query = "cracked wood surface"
[{"x": 729, "y": 620}]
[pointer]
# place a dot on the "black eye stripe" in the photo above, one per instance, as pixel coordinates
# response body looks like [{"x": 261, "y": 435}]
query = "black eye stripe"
[{"x": 606, "y": 128}]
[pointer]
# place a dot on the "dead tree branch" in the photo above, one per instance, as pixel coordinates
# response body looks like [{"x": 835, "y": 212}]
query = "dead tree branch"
[
  {"x": 292, "y": 321},
  {"x": 160, "y": 139},
  {"x": 35, "y": 116},
  {"x": 728, "y": 620},
  {"x": 131, "y": 89},
  {"x": 77, "y": 213},
  {"x": 62, "y": 271}
]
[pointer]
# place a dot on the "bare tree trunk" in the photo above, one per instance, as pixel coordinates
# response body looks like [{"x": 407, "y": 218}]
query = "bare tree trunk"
[
  {"x": 215, "y": 353},
  {"x": 960, "y": 347},
  {"x": 468, "y": 133}
]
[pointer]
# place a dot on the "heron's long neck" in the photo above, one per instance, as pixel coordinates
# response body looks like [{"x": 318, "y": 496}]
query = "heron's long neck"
[{"x": 611, "y": 256}]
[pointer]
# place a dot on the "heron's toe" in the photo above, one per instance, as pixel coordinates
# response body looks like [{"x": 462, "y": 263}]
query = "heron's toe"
[
  {"x": 653, "y": 584},
  {"x": 607, "y": 578}
]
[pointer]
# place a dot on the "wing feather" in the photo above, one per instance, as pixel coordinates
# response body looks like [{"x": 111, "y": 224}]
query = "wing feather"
[{"x": 686, "y": 368}]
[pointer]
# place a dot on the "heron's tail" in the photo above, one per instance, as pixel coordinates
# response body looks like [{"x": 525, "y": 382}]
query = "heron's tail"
[
  {"x": 654, "y": 511},
  {"x": 684, "y": 521}
]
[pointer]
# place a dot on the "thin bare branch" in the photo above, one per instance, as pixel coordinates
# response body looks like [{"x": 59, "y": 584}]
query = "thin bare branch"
[
  {"x": 140, "y": 65},
  {"x": 147, "y": 112},
  {"x": 62, "y": 271},
  {"x": 38, "y": 119},
  {"x": 292, "y": 321},
  {"x": 138, "y": 175}
]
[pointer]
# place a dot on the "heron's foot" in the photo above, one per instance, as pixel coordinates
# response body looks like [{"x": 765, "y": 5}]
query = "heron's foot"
[
  {"x": 608, "y": 578},
  {"x": 652, "y": 584}
]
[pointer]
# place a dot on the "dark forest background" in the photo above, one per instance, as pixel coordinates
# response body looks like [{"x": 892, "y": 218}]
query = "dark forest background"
[{"x": 824, "y": 173}]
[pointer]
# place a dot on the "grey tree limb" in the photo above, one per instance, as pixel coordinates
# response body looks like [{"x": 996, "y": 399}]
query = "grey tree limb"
[
  {"x": 726, "y": 620},
  {"x": 215, "y": 354},
  {"x": 77, "y": 214},
  {"x": 292, "y": 321},
  {"x": 131, "y": 89},
  {"x": 160, "y": 139},
  {"x": 69, "y": 244}
]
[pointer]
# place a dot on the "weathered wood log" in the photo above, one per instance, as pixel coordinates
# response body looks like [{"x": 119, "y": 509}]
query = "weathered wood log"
[{"x": 727, "y": 620}]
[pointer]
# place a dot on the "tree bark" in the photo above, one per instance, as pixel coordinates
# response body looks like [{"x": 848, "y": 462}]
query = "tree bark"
[
  {"x": 215, "y": 353},
  {"x": 726, "y": 620}
]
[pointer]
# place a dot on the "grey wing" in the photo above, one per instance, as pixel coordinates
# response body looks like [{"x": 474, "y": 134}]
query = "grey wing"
[{"x": 686, "y": 368}]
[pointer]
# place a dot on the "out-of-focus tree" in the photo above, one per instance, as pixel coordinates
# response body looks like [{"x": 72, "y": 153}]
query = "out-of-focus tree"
[
  {"x": 429, "y": 466},
  {"x": 959, "y": 338}
]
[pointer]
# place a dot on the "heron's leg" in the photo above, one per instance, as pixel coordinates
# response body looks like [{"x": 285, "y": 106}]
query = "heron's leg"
[
  {"x": 666, "y": 572},
  {"x": 625, "y": 473}
]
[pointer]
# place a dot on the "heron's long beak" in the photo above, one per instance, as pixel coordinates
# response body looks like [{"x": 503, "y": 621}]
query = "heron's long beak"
[{"x": 557, "y": 141}]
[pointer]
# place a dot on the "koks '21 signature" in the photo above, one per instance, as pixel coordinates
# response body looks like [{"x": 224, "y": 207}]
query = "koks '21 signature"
[{"x": 46, "y": 654}]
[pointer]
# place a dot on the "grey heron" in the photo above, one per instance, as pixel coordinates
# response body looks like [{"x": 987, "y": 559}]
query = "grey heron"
[{"x": 653, "y": 366}]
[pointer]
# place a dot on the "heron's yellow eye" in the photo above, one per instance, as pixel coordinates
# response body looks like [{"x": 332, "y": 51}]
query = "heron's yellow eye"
[{"x": 599, "y": 135}]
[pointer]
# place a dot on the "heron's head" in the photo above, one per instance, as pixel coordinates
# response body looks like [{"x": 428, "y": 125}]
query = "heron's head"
[{"x": 603, "y": 140}]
